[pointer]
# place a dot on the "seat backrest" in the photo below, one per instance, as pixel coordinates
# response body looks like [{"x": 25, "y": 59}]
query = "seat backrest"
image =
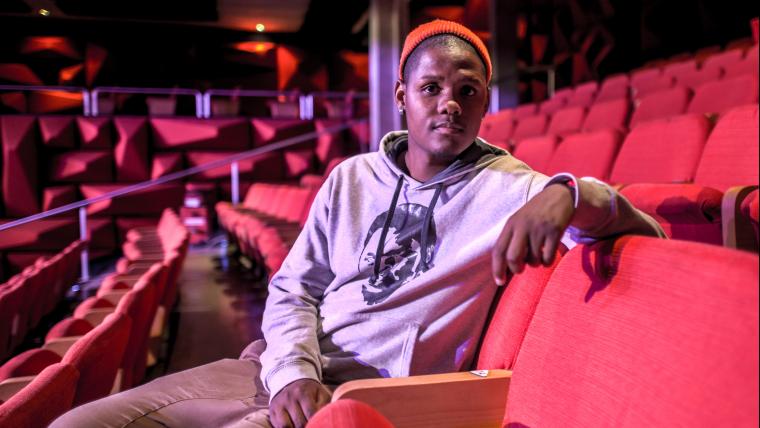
[
  {"x": 497, "y": 128},
  {"x": 661, "y": 104},
  {"x": 586, "y": 154},
  {"x": 531, "y": 126},
  {"x": 28, "y": 363},
  {"x": 695, "y": 78},
  {"x": 68, "y": 327},
  {"x": 48, "y": 396},
  {"x": 566, "y": 121},
  {"x": 536, "y": 151},
  {"x": 511, "y": 317},
  {"x": 720, "y": 60},
  {"x": 678, "y": 68},
  {"x": 525, "y": 110},
  {"x": 137, "y": 304},
  {"x": 662, "y": 151},
  {"x": 642, "y": 332},
  {"x": 722, "y": 95},
  {"x": 730, "y": 156},
  {"x": 583, "y": 95},
  {"x": 614, "y": 87},
  {"x": 97, "y": 355},
  {"x": 552, "y": 105},
  {"x": 607, "y": 114}
]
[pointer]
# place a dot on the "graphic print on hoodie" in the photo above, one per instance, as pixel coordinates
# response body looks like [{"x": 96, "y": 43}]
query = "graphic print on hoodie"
[{"x": 403, "y": 257}]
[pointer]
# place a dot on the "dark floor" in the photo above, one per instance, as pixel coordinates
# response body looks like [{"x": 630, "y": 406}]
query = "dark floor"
[{"x": 219, "y": 311}]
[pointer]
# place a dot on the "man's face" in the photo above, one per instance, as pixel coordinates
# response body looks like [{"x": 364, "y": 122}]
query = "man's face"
[{"x": 445, "y": 98}]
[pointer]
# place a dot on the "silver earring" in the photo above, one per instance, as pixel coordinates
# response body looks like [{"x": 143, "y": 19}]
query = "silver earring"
[{"x": 401, "y": 110}]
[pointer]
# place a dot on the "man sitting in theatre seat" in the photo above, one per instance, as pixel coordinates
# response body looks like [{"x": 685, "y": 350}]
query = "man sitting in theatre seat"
[{"x": 398, "y": 263}]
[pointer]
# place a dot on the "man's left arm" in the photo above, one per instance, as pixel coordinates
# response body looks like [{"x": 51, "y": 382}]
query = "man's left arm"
[{"x": 587, "y": 209}]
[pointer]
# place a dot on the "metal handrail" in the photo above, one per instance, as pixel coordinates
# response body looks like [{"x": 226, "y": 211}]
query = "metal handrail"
[
  {"x": 166, "y": 91},
  {"x": 30, "y": 88},
  {"x": 231, "y": 160},
  {"x": 206, "y": 109}
]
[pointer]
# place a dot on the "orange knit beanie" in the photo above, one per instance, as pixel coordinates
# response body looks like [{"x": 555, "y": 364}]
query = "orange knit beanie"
[{"x": 434, "y": 28}]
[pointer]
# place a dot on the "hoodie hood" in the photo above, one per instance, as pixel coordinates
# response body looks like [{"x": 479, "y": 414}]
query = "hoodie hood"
[{"x": 477, "y": 156}]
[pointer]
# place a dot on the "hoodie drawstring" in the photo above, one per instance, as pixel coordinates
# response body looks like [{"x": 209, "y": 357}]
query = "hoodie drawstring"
[
  {"x": 426, "y": 226},
  {"x": 423, "y": 232},
  {"x": 386, "y": 226}
]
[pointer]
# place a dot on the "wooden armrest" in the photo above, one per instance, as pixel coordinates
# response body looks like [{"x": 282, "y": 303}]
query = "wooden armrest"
[
  {"x": 61, "y": 344},
  {"x": 10, "y": 386},
  {"x": 463, "y": 399},
  {"x": 737, "y": 230}
]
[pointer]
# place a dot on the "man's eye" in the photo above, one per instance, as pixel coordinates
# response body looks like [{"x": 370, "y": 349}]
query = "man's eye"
[
  {"x": 430, "y": 89},
  {"x": 468, "y": 91}
]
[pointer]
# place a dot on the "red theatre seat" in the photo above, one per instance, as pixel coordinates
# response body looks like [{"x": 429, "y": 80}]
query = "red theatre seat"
[
  {"x": 607, "y": 114},
  {"x": 583, "y": 95},
  {"x": 662, "y": 151},
  {"x": 48, "y": 396},
  {"x": 644, "y": 82},
  {"x": 530, "y": 126},
  {"x": 660, "y": 105},
  {"x": 525, "y": 110},
  {"x": 729, "y": 158},
  {"x": 619, "y": 331},
  {"x": 722, "y": 95},
  {"x": 28, "y": 363},
  {"x": 209, "y": 134},
  {"x": 586, "y": 154},
  {"x": 497, "y": 128},
  {"x": 566, "y": 121},
  {"x": 614, "y": 87},
  {"x": 536, "y": 151}
]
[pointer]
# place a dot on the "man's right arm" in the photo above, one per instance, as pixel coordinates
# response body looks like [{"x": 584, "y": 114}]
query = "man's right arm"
[{"x": 291, "y": 315}]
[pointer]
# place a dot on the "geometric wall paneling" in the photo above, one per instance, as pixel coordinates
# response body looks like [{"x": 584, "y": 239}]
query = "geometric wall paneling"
[
  {"x": 46, "y": 234},
  {"x": 95, "y": 132},
  {"x": 165, "y": 163},
  {"x": 54, "y": 102},
  {"x": 95, "y": 56},
  {"x": 46, "y": 46},
  {"x": 211, "y": 134},
  {"x": 267, "y": 131},
  {"x": 330, "y": 145},
  {"x": 131, "y": 151},
  {"x": 145, "y": 202},
  {"x": 18, "y": 73},
  {"x": 15, "y": 101},
  {"x": 57, "y": 196},
  {"x": 57, "y": 131},
  {"x": 19, "y": 141},
  {"x": 267, "y": 166},
  {"x": 67, "y": 75},
  {"x": 298, "y": 162},
  {"x": 101, "y": 233},
  {"x": 82, "y": 166}
]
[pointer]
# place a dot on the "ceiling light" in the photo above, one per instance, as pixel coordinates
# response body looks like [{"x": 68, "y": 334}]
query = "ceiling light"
[
  {"x": 44, "y": 12},
  {"x": 260, "y": 28}
]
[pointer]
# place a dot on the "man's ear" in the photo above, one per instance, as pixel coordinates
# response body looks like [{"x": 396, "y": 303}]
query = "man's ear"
[
  {"x": 400, "y": 94},
  {"x": 488, "y": 102}
]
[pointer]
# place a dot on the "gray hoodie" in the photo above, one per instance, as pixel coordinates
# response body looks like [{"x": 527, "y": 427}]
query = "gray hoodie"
[{"x": 391, "y": 277}]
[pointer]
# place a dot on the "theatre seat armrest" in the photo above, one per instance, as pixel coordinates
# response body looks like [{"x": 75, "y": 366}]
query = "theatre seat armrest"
[
  {"x": 676, "y": 202},
  {"x": 439, "y": 400},
  {"x": 11, "y": 386},
  {"x": 737, "y": 229}
]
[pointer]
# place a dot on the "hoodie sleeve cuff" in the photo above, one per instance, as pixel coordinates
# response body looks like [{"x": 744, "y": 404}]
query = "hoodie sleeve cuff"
[
  {"x": 288, "y": 373},
  {"x": 570, "y": 181}
]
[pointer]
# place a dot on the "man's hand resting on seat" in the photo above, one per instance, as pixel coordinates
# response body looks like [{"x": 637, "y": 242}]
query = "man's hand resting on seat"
[
  {"x": 297, "y": 403},
  {"x": 533, "y": 233}
]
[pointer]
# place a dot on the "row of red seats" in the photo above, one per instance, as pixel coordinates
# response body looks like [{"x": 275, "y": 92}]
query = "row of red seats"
[
  {"x": 106, "y": 345},
  {"x": 637, "y": 331},
  {"x": 30, "y": 295},
  {"x": 508, "y": 128},
  {"x": 687, "y": 164},
  {"x": 268, "y": 221}
]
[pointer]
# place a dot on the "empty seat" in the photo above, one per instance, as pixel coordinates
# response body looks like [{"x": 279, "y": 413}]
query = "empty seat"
[
  {"x": 536, "y": 151},
  {"x": 662, "y": 151},
  {"x": 40, "y": 402},
  {"x": 614, "y": 87},
  {"x": 566, "y": 121},
  {"x": 749, "y": 65},
  {"x": 497, "y": 128},
  {"x": 583, "y": 95},
  {"x": 531, "y": 126},
  {"x": 660, "y": 105},
  {"x": 694, "y": 78},
  {"x": 586, "y": 154},
  {"x": 720, "y": 96},
  {"x": 552, "y": 105},
  {"x": 525, "y": 110},
  {"x": 645, "y": 81},
  {"x": 612, "y": 113},
  {"x": 719, "y": 61}
]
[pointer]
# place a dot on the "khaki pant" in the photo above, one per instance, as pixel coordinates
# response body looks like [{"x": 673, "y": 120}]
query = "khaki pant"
[{"x": 226, "y": 393}]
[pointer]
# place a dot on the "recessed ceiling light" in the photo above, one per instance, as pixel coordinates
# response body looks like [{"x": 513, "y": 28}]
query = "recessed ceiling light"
[
  {"x": 44, "y": 12},
  {"x": 260, "y": 28}
]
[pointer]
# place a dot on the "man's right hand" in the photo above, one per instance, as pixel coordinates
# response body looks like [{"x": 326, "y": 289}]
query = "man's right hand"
[{"x": 297, "y": 402}]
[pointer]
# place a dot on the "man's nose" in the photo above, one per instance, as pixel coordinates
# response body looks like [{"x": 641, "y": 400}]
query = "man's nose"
[{"x": 450, "y": 107}]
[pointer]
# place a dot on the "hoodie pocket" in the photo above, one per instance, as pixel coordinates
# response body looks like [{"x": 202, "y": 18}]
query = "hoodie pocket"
[{"x": 359, "y": 346}]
